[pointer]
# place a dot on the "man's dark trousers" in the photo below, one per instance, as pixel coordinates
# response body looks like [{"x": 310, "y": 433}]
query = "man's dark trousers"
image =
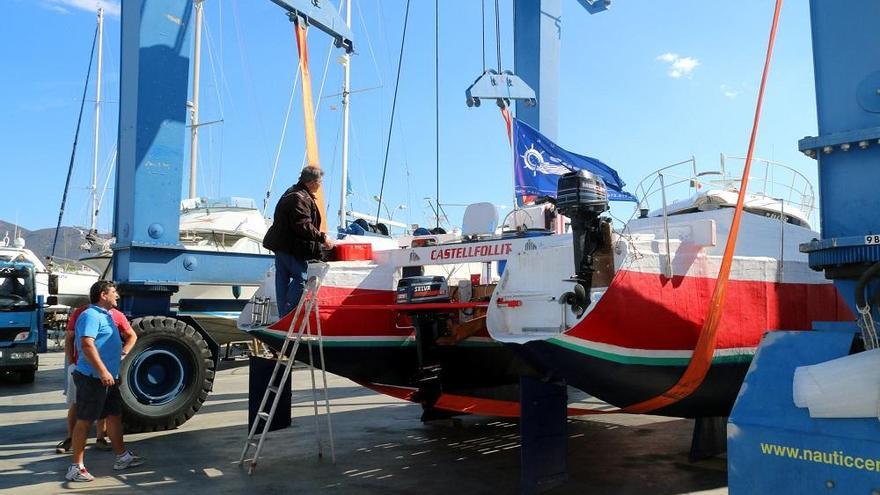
[{"x": 290, "y": 281}]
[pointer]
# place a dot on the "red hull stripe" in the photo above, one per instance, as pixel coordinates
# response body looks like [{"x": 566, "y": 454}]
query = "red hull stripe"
[
  {"x": 384, "y": 318},
  {"x": 468, "y": 405},
  {"x": 405, "y": 307},
  {"x": 650, "y": 312}
]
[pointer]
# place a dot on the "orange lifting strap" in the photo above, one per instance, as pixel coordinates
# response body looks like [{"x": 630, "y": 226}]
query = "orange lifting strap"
[
  {"x": 701, "y": 360},
  {"x": 309, "y": 115}
]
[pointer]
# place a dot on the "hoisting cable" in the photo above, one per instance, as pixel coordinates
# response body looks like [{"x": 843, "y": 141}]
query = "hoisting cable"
[
  {"x": 498, "y": 35},
  {"x": 309, "y": 113},
  {"x": 393, "y": 107},
  {"x": 73, "y": 151},
  {"x": 701, "y": 360},
  {"x": 437, "y": 98},
  {"x": 483, "y": 31},
  {"x": 502, "y": 104}
]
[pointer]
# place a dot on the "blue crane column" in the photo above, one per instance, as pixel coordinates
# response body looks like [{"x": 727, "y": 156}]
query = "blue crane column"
[
  {"x": 773, "y": 446},
  {"x": 149, "y": 261},
  {"x": 172, "y": 367},
  {"x": 543, "y": 400},
  {"x": 537, "y": 31}
]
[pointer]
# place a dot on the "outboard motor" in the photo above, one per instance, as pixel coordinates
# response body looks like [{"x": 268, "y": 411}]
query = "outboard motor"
[
  {"x": 582, "y": 196},
  {"x": 429, "y": 325}
]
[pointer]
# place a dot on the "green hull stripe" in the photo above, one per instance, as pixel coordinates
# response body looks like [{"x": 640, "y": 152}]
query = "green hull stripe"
[{"x": 646, "y": 360}]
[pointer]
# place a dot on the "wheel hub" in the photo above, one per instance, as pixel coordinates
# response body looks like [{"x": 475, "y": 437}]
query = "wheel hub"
[{"x": 158, "y": 375}]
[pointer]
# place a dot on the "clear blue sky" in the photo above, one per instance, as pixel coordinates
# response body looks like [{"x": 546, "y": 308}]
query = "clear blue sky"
[{"x": 643, "y": 85}]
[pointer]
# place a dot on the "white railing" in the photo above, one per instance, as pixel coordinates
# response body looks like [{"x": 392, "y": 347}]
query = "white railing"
[{"x": 768, "y": 179}]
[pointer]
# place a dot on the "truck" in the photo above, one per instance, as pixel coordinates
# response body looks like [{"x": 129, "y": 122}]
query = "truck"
[{"x": 21, "y": 320}]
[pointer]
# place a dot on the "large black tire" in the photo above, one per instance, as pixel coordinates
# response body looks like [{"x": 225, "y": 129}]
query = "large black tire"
[{"x": 166, "y": 377}]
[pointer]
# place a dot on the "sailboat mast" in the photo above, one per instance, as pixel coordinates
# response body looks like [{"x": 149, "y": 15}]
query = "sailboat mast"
[
  {"x": 346, "y": 93},
  {"x": 194, "y": 115},
  {"x": 93, "y": 189}
]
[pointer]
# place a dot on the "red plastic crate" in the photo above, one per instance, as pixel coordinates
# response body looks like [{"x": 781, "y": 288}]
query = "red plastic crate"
[{"x": 353, "y": 252}]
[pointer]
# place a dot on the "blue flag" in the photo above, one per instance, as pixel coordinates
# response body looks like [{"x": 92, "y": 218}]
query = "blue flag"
[{"x": 539, "y": 162}]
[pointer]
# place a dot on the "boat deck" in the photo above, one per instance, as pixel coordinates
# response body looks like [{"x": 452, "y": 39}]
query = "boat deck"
[{"x": 381, "y": 447}]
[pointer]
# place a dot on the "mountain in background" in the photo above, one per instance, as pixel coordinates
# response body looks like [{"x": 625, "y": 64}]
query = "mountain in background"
[{"x": 40, "y": 241}]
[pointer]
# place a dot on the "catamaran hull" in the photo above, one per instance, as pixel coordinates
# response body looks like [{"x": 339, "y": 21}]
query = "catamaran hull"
[
  {"x": 639, "y": 334},
  {"x": 622, "y": 384},
  {"x": 472, "y": 375}
]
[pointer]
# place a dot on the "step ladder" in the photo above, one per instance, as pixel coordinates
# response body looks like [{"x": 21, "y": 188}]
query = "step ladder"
[{"x": 300, "y": 330}]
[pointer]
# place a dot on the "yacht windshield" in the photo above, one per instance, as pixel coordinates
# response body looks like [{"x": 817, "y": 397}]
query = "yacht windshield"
[{"x": 16, "y": 289}]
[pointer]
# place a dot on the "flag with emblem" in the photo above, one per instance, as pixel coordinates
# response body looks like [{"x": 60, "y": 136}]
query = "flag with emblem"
[{"x": 538, "y": 163}]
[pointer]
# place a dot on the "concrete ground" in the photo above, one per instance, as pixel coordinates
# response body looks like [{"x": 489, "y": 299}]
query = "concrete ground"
[{"x": 381, "y": 447}]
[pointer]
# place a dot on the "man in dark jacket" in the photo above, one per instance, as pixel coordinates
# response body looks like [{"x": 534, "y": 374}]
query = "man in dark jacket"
[{"x": 295, "y": 236}]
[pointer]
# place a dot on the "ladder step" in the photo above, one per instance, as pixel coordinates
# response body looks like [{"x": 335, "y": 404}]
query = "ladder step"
[
  {"x": 273, "y": 389},
  {"x": 263, "y": 415}
]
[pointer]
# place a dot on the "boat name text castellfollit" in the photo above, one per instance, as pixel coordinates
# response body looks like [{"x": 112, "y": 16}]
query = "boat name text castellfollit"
[{"x": 472, "y": 251}]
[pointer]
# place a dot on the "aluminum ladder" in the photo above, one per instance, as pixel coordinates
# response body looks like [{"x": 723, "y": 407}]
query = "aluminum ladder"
[{"x": 300, "y": 330}]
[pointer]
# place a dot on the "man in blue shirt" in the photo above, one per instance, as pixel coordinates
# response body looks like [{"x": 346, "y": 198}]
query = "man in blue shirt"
[{"x": 97, "y": 380}]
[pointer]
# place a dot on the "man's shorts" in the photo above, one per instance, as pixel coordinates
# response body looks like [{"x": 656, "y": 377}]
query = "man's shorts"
[
  {"x": 95, "y": 401},
  {"x": 70, "y": 392}
]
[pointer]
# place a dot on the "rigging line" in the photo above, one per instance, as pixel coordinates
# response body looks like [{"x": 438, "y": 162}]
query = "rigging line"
[
  {"x": 287, "y": 119},
  {"x": 437, "y": 96},
  {"x": 281, "y": 143},
  {"x": 393, "y": 106},
  {"x": 210, "y": 44},
  {"x": 248, "y": 80},
  {"x": 483, "y": 30},
  {"x": 498, "y": 34},
  {"x": 75, "y": 140},
  {"x": 321, "y": 88},
  {"x": 332, "y": 170},
  {"x": 370, "y": 44},
  {"x": 224, "y": 81},
  {"x": 113, "y": 155}
]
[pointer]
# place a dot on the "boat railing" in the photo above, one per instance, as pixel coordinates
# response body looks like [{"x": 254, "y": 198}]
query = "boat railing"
[{"x": 768, "y": 179}]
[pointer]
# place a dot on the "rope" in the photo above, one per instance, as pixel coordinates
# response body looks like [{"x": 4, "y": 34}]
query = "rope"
[
  {"x": 393, "y": 107},
  {"x": 75, "y": 141}
]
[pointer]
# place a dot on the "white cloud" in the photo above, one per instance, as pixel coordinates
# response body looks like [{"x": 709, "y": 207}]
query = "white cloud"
[
  {"x": 58, "y": 8},
  {"x": 679, "y": 66},
  {"x": 110, "y": 8},
  {"x": 728, "y": 92},
  {"x": 668, "y": 57}
]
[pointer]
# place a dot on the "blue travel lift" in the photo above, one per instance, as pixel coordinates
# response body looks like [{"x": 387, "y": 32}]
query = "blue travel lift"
[
  {"x": 774, "y": 446},
  {"x": 174, "y": 370}
]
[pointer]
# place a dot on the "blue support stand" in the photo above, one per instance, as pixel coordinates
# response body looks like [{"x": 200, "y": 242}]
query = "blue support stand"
[
  {"x": 775, "y": 447},
  {"x": 543, "y": 434}
]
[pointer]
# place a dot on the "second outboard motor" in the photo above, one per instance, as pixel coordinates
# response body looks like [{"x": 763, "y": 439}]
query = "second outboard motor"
[
  {"x": 429, "y": 326},
  {"x": 582, "y": 196}
]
